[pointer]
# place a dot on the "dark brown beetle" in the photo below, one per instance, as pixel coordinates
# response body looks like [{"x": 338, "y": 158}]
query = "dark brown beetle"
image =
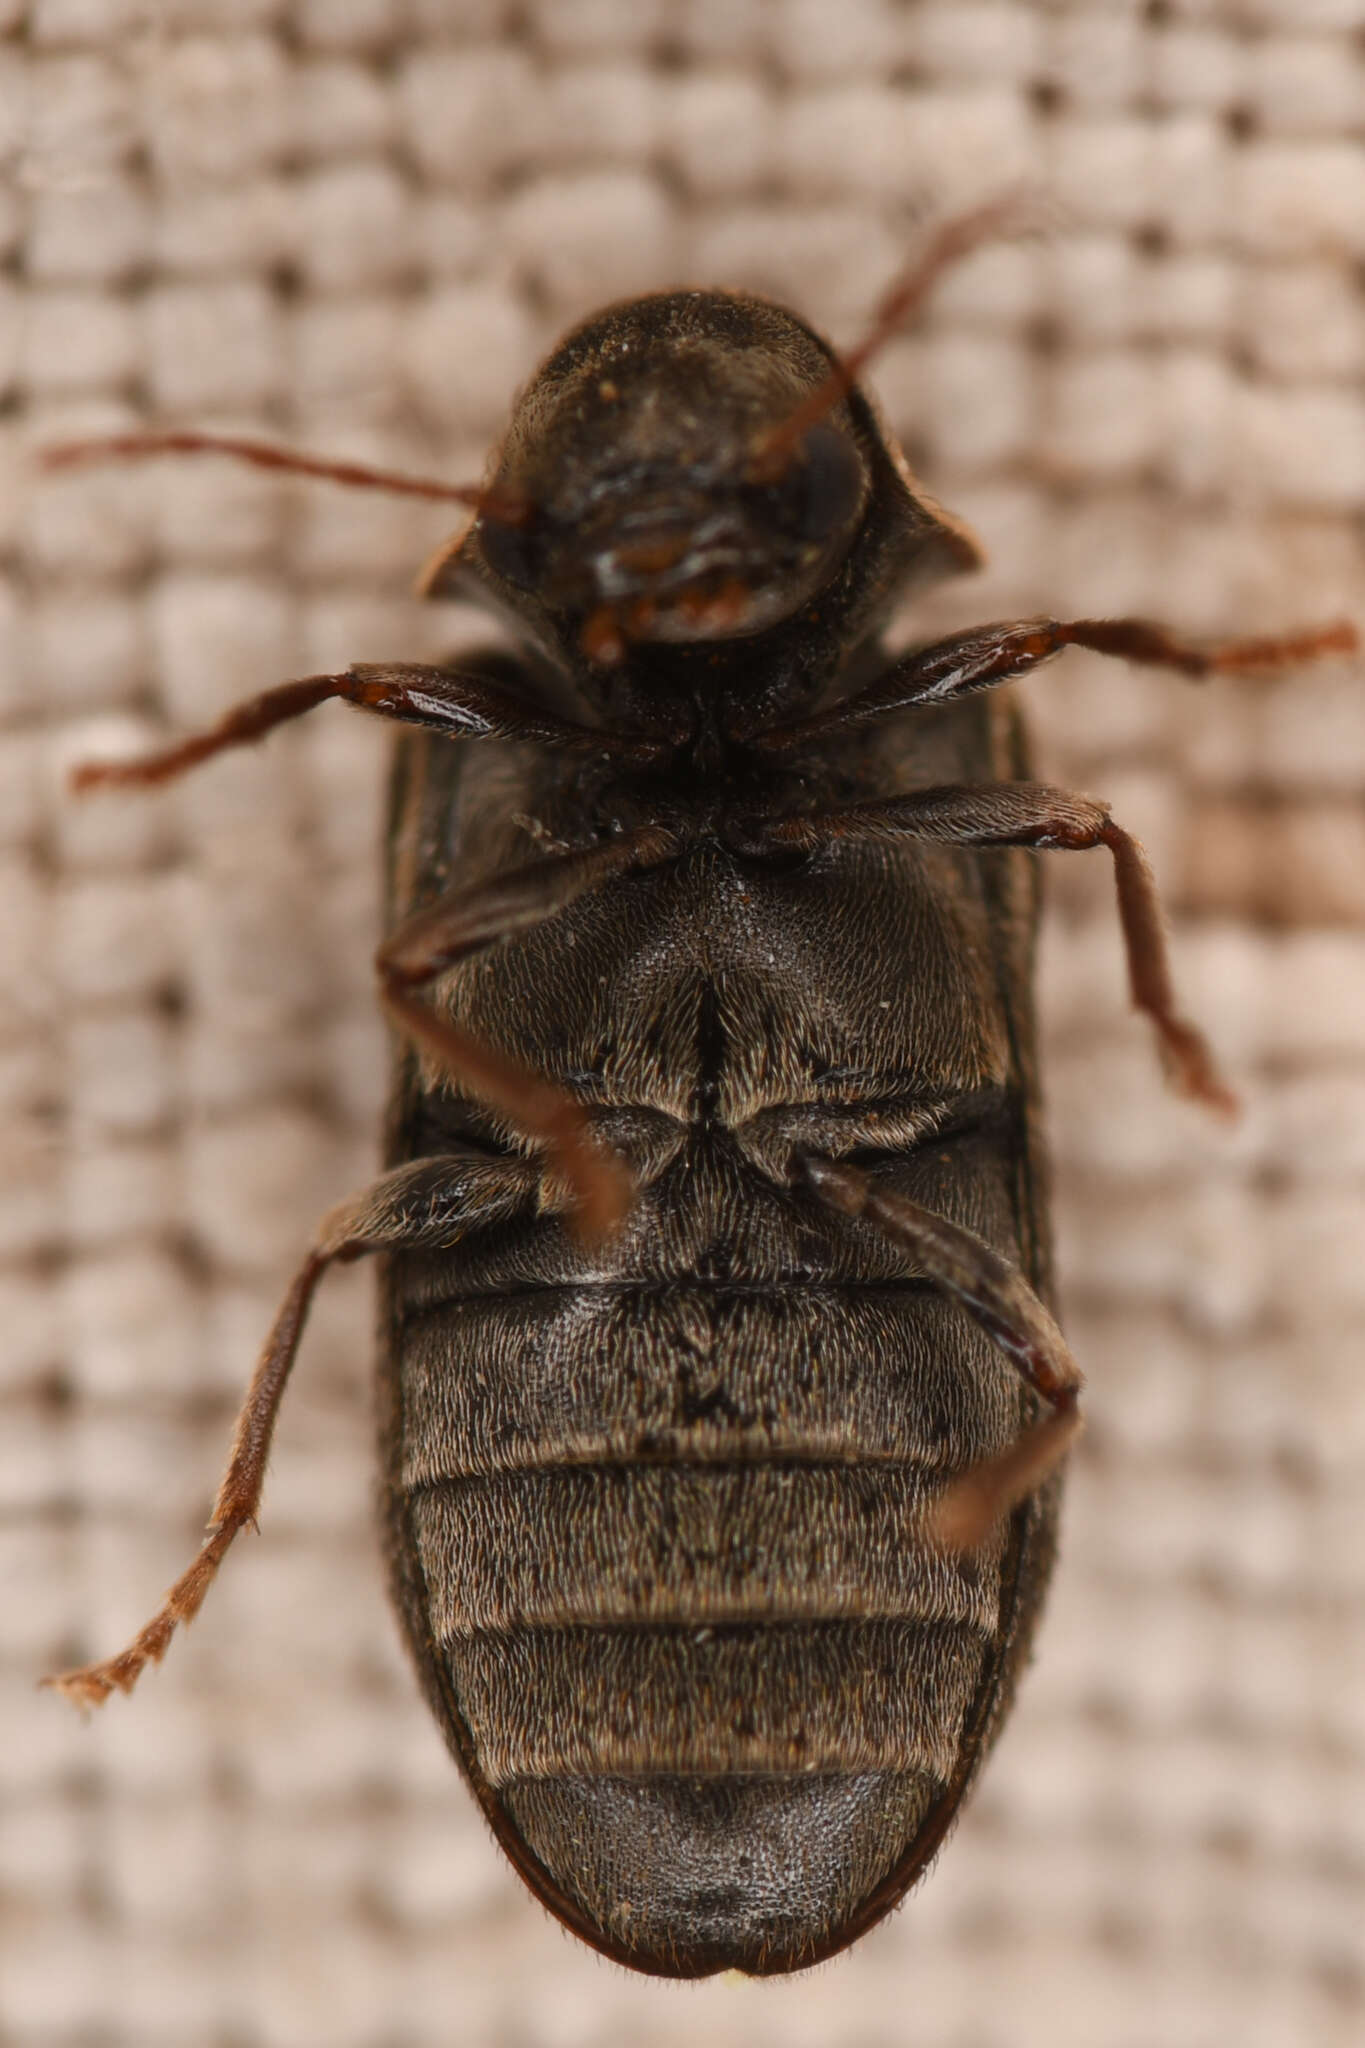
[{"x": 722, "y": 1414}]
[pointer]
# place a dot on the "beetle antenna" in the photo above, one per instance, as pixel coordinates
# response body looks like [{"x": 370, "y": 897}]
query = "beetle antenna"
[
  {"x": 265, "y": 455},
  {"x": 1015, "y": 212}
]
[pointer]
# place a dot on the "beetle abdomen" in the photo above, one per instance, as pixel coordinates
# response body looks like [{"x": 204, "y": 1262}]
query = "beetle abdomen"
[
  {"x": 709, "y": 1793},
  {"x": 690, "y": 1875},
  {"x": 583, "y": 1610},
  {"x": 807, "y": 1696},
  {"x": 697, "y": 1484},
  {"x": 675, "y": 1575},
  {"x": 691, "y": 1547}
]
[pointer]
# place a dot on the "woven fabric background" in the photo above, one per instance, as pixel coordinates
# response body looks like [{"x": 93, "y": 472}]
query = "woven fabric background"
[{"x": 357, "y": 224}]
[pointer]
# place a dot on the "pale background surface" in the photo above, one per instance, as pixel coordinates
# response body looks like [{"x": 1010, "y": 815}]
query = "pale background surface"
[{"x": 358, "y": 224}]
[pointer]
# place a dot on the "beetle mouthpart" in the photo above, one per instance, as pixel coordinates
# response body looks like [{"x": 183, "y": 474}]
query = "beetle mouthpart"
[
  {"x": 602, "y": 639},
  {"x": 652, "y": 557},
  {"x": 711, "y": 615},
  {"x": 696, "y": 612}
]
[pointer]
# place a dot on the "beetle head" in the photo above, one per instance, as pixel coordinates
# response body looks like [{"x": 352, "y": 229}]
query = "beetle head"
[{"x": 648, "y": 490}]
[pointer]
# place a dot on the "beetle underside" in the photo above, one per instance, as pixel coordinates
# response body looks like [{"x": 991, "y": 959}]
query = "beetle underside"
[{"x": 658, "y": 1507}]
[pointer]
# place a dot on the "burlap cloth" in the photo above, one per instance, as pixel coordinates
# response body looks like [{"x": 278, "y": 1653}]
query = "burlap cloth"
[{"x": 358, "y": 224}]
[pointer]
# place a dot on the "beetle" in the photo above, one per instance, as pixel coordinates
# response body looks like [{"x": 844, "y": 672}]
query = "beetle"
[{"x": 723, "y": 1411}]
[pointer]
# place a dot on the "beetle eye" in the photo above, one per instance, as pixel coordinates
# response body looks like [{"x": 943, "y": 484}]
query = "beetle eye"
[
  {"x": 829, "y": 478},
  {"x": 511, "y": 551}
]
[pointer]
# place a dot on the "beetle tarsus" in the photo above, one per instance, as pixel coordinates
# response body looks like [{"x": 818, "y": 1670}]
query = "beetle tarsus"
[
  {"x": 91, "y": 1685},
  {"x": 974, "y": 1504}
]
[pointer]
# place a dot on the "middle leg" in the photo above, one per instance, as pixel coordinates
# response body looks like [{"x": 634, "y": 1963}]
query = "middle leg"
[
  {"x": 467, "y": 921},
  {"x": 1032, "y": 814}
]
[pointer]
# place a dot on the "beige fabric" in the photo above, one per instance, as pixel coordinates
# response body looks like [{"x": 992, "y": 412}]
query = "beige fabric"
[{"x": 357, "y": 223}]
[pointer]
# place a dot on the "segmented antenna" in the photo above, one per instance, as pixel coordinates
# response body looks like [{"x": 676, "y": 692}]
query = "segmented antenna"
[
  {"x": 1015, "y": 212},
  {"x": 507, "y": 509}
]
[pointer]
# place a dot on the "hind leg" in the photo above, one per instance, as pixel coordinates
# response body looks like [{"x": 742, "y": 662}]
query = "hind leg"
[
  {"x": 429, "y": 1204},
  {"x": 1001, "y": 1301},
  {"x": 997, "y": 1297}
]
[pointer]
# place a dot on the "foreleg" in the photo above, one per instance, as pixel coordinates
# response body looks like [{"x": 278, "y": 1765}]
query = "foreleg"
[
  {"x": 990, "y": 655},
  {"x": 443, "y": 700}
]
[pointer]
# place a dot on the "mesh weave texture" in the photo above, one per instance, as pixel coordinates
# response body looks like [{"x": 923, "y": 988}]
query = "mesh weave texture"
[{"x": 357, "y": 224}]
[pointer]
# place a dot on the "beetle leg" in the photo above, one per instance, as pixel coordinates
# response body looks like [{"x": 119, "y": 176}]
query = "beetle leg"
[
  {"x": 443, "y": 700},
  {"x": 428, "y": 1204},
  {"x": 994, "y": 654},
  {"x": 465, "y": 922},
  {"x": 1033, "y": 815},
  {"x": 996, "y": 1294}
]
